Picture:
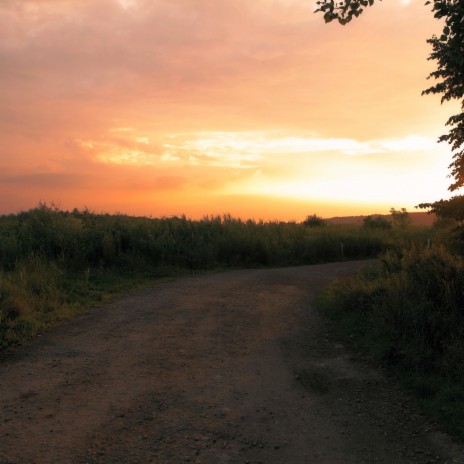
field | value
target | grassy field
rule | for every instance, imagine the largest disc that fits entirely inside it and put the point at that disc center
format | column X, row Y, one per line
column 54, row 263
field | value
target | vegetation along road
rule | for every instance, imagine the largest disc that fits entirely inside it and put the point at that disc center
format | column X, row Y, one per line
column 227, row 368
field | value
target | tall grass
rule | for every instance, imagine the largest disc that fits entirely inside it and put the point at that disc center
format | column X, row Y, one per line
column 30, row 299
column 409, row 315
column 80, row 239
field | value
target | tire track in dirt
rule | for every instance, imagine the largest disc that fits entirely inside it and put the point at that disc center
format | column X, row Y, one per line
column 228, row 368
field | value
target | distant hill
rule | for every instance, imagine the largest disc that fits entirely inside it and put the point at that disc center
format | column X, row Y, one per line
column 417, row 219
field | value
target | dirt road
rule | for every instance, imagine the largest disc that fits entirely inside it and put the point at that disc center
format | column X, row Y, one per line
column 227, row 368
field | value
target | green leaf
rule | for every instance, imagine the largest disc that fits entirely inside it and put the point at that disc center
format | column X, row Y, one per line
column 328, row 17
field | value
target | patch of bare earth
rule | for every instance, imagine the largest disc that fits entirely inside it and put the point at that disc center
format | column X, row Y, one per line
column 229, row 368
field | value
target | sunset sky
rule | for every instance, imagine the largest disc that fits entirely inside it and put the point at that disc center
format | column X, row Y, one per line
column 253, row 108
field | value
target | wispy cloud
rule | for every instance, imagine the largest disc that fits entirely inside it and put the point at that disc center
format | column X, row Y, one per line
column 241, row 149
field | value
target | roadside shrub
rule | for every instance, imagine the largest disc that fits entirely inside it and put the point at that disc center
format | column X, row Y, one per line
column 408, row 314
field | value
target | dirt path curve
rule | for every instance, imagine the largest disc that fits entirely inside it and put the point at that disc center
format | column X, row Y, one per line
column 228, row 368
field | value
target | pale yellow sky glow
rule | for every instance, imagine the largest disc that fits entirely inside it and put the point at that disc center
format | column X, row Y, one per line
column 257, row 109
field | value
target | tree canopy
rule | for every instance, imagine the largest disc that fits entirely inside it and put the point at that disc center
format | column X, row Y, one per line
column 400, row 217
column 447, row 51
